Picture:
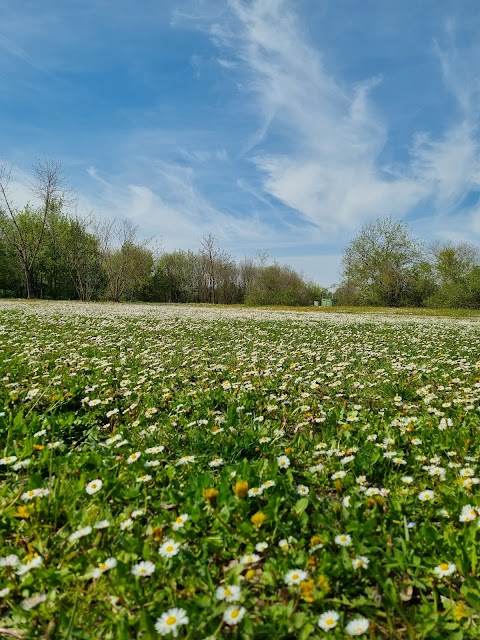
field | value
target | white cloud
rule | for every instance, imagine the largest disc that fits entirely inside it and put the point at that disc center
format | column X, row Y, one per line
column 171, row 207
column 329, row 169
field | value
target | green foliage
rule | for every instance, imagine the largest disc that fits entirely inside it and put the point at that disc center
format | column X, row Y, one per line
column 378, row 262
column 280, row 285
column 385, row 266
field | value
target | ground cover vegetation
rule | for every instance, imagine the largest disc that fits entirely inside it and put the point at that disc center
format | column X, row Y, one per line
column 218, row 473
column 50, row 251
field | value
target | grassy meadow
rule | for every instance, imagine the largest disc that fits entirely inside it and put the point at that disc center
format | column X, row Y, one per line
column 210, row 473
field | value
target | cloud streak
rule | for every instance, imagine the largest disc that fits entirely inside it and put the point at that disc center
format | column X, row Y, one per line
column 330, row 169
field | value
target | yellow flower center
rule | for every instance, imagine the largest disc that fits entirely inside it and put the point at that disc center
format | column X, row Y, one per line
column 228, row 592
column 179, row 520
column 295, row 576
column 444, row 566
column 102, row 566
column 329, row 621
column 170, row 620
column 169, row 549
column 235, row 613
column 93, row 486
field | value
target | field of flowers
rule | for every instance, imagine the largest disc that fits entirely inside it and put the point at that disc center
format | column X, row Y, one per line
column 201, row 473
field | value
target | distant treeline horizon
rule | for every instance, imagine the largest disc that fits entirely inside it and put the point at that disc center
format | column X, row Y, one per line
column 49, row 253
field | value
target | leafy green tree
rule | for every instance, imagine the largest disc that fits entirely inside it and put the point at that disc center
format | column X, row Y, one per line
column 472, row 285
column 127, row 265
column 377, row 262
column 278, row 285
column 421, row 284
column 453, row 265
column 10, row 271
column 452, row 262
column 24, row 229
column 177, row 277
column 53, row 279
column 82, row 258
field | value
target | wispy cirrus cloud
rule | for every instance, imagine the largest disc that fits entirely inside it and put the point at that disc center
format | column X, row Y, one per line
column 330, row 167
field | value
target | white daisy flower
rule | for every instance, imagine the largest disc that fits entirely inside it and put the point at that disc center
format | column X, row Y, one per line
column 152, row 463
column 79, row 533
column 143, row 569
column 169, row 548
column 468, row 514
column 249, row 558
column 229, row 593
column 33, row 601
column 328, row 620
column 445, row 569
column 283, row 462
column 93, row 486
column 268, row 484
column 426, row 496
column 170, row 621
column 360, row 562
column 302, row 490
column 32, row 563
column 108, row 564
column 11, row 560
column 343, row 540
column 155, row 450
column 22, row 464
column 295, row 576
column 134, row 457
column 34, row 493
column 146, row 477
column 357, row 627
column 233, row 615
column 180, row 521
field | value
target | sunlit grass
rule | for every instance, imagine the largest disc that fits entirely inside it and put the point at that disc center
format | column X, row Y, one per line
column 209, row 472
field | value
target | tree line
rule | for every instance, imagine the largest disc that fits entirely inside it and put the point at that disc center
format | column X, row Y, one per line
column 48, row 252
column 385, row 265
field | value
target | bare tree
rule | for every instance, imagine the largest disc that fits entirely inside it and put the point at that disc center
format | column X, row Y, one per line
column 214, row 261
column 20, row 229
column 82, row 256
column 126, row 263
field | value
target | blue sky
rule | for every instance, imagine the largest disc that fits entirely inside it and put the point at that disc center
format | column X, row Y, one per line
column 278, row 126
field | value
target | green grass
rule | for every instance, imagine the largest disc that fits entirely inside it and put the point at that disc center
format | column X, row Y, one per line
column 352, row 409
